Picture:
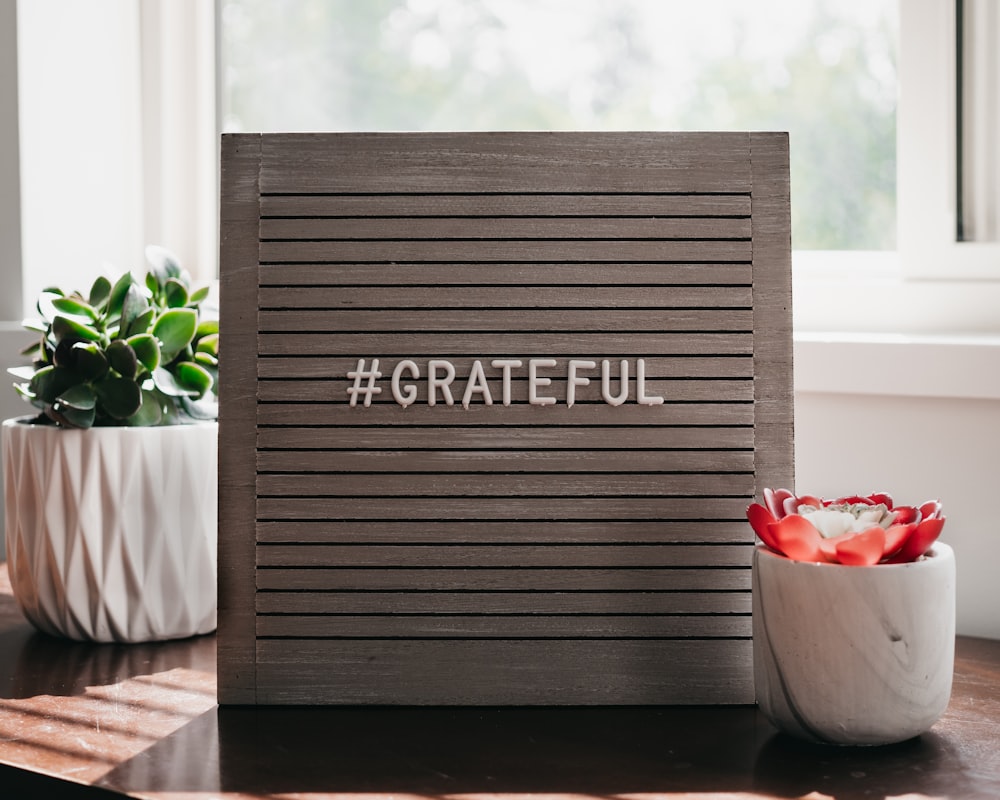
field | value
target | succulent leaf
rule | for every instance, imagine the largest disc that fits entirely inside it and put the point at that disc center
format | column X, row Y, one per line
column 205, row 408
column 50, row 382
column 80, row 397
column 141, row 323
column 99, row 292
column 170, row 386
column 69, row 417
column 68, row 328
column 133, row 304
column 117, row 297
column 120, row 397
column 175, row 329
column 207, row 327
column 146, row 349
column 176, row 293
column 123, row 359
column 75, row 308
column 198, row 296
column 149, row 413
column 193, row 377
column 208, row 344
column 87, row 360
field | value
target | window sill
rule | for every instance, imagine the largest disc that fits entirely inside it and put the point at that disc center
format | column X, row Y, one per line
column 917, row 365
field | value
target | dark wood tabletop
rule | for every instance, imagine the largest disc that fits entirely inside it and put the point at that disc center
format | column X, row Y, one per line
column 104, row 721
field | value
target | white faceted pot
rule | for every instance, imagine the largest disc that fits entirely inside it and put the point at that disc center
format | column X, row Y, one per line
column 854, row 655
column 111, row 532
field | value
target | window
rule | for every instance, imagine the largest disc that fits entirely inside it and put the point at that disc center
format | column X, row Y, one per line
column 824, row 71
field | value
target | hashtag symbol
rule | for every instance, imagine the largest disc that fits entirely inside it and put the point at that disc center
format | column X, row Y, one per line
column 360, row 387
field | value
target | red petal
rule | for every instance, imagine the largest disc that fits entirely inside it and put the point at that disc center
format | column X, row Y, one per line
column 862, row 549
column 774, row 499
column 920, row 541
column 797, row 538
column 881, row 497
column 809, row 500
column 828, row 547
column 896, row 536
column 854, row 499
column 930, row 509
column 905, row 515
column 760, row 518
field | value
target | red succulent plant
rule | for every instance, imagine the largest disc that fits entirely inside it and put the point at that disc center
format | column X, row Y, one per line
column 856, row 531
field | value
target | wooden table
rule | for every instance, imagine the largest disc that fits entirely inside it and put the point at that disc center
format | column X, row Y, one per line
column 104, row 721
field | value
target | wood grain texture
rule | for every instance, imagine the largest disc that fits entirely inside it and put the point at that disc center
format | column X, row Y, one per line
column 774, row 428
column 398, row 273
column 239, row 222
column 588, row 163
column 506, row 532
column 477, row 672
column 494, row 205
column 502, row 603
column 511, row 553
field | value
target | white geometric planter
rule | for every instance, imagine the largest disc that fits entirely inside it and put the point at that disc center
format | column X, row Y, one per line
column 854, row 655
column 111, row 532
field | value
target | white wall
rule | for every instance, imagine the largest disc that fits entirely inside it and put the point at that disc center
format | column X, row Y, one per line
column 915, row 448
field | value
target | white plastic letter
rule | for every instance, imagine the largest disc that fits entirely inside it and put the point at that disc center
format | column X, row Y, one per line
column 505, row 364
column 622, row 396
column 444, row 384
column 408, row 394
column 477, row 383
column 573, row 380
column 640, row 386
column 534, row 381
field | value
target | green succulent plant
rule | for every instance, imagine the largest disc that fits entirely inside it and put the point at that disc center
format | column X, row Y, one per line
column 124, row 354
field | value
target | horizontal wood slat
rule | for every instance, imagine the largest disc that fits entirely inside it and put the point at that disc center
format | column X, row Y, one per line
column 735, row 390
column 493, row 672
column 507, row 250
column 296, row 366
column 500, row 321
column 510, row 555
column 505, row 205
column 305, row 461
column 706, row 484
column 428, row 579
column 602, row 345
column 493, row 627
column 500, row 274
column 506, row 438
column 513, row 297
column 545, row 509
column 340, row 413
column 454, row 531
column 503, row 162
column 503, row 228
column 521, row 603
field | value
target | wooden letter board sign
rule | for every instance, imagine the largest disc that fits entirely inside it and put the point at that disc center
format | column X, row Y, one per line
column 493, row 407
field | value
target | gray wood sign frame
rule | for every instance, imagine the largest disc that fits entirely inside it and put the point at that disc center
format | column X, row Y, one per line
column 527, row 553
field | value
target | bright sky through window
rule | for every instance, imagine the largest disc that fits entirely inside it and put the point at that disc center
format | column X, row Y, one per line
column 824, row 70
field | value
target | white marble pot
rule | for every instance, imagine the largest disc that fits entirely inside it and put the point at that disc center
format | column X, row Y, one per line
column 854, row 655
column 111, row 532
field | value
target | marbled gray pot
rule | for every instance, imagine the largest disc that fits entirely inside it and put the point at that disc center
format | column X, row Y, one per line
column 854, row 655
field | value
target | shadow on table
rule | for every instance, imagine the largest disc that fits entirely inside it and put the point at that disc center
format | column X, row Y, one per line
column 587, row 751
column 33, row 663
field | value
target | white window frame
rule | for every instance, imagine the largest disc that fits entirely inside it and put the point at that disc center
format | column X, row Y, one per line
column 933, row 285
column 927, row 151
